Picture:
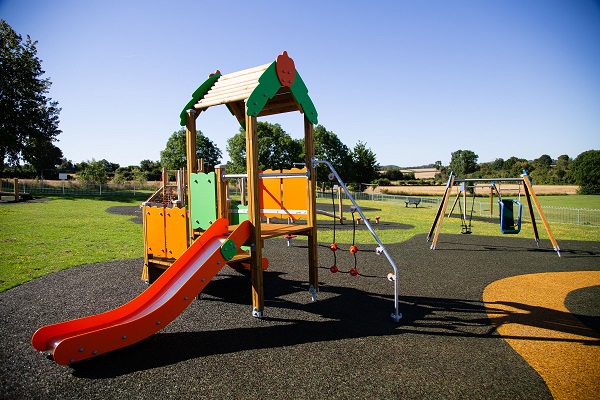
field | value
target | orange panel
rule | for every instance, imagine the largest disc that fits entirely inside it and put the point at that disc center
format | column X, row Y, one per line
column 155, row 231
column 270, row 195
column 295, row 199
column 176, row 226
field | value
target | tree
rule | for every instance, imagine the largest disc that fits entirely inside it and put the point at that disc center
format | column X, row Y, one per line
column 151, row 169
column 586, row 171
column 66, row 165
column 463, row 162
column 365, row 168
column 276, row 149
column 545, row 161
column 563, row 162
column 138, row 176
column 329, row 147
column 93, row 172
column 173, row 157
column 43, row 156
column 29, row 119
column 497, row 164
column 394, row 174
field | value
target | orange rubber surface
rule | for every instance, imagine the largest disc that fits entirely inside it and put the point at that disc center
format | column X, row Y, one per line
column 155, row 308
column 530, row 314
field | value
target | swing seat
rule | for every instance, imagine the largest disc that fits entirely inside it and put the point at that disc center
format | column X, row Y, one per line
column 508, row 225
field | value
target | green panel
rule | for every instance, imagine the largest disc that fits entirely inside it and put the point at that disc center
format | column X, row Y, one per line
column 268, row 85
column 228, row 249
column 197, row 95
column 300, row 93
column 238, row 213
column 203, row 205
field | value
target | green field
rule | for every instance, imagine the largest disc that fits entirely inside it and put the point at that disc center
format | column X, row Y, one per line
column 38, row 238
column 572, row 201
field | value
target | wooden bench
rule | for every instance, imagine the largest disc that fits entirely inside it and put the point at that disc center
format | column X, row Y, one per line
column 413, row 200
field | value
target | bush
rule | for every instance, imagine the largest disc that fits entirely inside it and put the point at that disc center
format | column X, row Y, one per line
column 589, row 188
column 382, row 182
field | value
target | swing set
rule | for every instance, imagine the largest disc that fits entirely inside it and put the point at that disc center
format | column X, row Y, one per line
column 511, row 210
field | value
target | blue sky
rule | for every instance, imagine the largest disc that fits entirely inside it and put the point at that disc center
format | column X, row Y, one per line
column 415, row 80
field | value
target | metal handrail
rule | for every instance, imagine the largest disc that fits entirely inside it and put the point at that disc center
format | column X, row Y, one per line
column 396, row 314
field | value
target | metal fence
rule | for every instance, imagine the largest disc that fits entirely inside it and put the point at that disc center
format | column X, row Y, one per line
column 563, row 215
column 41, row 188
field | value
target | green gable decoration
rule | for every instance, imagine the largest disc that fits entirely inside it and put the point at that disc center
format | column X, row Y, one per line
column 198, row 94
column 267, row 87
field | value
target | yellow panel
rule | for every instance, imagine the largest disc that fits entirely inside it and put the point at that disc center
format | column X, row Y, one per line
column 295, row 195
column 270, row 195
column 176, row 226
column 155, row 231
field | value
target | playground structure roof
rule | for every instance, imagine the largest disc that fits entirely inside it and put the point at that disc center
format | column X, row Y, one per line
column 268, row 89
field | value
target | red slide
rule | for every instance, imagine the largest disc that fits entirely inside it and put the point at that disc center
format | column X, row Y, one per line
column 152, row 310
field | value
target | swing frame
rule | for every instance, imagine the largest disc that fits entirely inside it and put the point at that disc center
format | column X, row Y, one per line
column 532, row 200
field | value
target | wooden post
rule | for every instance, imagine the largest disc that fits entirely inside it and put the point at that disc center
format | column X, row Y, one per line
column 454, row 204
column 541, row 213
column 440, row 214
column 165, row 182
column 256, row 271
column 536, row 235
column 313, row 256
column 222, row 206
column 243, row 191
column 190, row 152
column 16, row 189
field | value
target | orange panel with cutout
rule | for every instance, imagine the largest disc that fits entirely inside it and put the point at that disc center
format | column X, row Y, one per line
column 155, row 231
column 176, row 231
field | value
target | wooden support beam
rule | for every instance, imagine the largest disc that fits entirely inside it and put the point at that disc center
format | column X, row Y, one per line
column 190, row 153
column 313, row 254
column 529, row 188
column 437, row 222
column 278, row 110
column 16, row 188
column 256, row 271
column 536, row 234
column 238, row 109
column 222, row 206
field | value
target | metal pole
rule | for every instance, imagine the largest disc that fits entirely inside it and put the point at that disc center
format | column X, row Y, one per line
column 396, row 315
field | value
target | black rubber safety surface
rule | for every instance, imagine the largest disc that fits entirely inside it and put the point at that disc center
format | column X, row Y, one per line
column 345, row 345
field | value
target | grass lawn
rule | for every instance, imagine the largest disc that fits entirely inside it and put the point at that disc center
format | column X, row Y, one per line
column 572, row 201
column 38, row 238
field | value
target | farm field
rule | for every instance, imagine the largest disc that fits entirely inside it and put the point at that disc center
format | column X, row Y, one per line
column 439, row 190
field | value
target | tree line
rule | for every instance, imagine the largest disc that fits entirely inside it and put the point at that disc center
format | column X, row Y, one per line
column 583, row 171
